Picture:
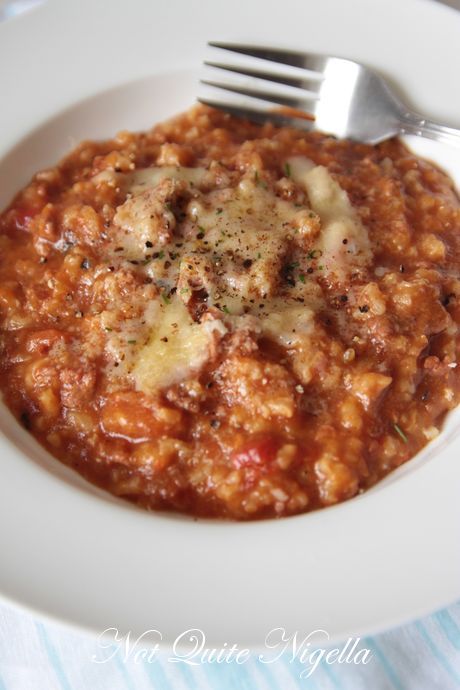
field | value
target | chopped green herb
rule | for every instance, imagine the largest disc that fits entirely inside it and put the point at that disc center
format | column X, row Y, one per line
column 132, row 342
column 219, row 211
column 165, row 298
column 301, row 277
column 258, row 181
column 259, row 255
column 161, row 254
column 287, row 169
column 321, row 268
column 201, row 228
column 290, row 267
column 183, row 290
column 314, row 254
column 225, row 309
column 400, row 433
column 109, row 330
column 168, row 206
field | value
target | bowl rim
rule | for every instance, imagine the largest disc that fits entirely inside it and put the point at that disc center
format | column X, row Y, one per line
column 38, row 536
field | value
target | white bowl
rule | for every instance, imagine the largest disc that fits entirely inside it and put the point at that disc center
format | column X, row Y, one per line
column 70, row 71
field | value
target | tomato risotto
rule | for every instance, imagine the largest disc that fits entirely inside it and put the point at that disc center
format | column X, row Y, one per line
column 230, row 319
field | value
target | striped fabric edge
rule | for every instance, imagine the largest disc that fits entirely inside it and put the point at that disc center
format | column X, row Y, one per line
column 436, row 639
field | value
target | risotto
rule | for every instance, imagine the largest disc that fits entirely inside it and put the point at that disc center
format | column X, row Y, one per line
column 229, row 319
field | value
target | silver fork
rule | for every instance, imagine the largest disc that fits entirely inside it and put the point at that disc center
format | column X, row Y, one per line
column 341, row 97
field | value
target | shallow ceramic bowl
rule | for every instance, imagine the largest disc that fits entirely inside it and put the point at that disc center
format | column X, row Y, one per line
column 70, row 71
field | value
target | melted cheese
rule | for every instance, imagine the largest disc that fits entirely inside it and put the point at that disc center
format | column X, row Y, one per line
column 248, row 227
column 238, row 245
column 177, row 348
column 144, row 178
column 290, row 326
column 344, row 242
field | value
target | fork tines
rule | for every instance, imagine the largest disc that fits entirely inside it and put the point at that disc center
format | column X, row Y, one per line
column 248, row 80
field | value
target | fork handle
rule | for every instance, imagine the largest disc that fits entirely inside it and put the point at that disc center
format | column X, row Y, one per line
column 411, row 123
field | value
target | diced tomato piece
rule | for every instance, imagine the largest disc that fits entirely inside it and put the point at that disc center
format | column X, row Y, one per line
column 258, row 453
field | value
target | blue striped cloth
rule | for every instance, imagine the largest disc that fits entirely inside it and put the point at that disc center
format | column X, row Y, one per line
column 38, row 656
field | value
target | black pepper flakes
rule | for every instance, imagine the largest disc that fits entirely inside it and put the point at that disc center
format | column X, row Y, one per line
column 448, row 298
column 25, row 419
column 364, row 309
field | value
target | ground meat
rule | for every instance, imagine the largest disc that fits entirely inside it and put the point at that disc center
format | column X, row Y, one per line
column 263, row 388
